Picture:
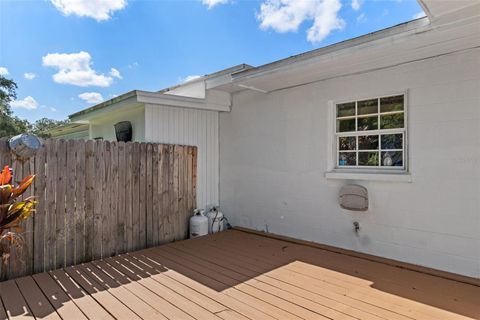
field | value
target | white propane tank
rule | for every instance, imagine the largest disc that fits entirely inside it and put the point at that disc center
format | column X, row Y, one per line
column 198, row 224
column 215, row 220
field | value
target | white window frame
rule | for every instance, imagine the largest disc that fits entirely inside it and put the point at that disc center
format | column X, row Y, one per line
column 334, row 137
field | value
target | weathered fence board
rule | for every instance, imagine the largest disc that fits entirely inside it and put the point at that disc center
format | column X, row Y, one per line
column 99, row 198
column 39, row 217
column 80, row 191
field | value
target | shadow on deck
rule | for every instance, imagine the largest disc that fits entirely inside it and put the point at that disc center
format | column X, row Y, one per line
column 237, row 275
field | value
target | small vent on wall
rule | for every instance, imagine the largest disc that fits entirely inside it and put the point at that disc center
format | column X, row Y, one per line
column 353, row 197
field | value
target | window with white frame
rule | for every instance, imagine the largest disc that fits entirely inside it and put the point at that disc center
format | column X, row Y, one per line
column 371, row 133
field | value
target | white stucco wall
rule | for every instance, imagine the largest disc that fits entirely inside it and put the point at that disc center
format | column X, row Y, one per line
column 164, row 124
column 273, row 156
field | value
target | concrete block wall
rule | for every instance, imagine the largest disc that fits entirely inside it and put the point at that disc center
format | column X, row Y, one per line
column 273, row 159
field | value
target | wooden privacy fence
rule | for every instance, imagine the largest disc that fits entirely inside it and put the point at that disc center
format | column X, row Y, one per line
column 99, row 198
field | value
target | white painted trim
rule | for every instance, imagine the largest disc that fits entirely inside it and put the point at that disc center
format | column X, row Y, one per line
column 179, row 101
column 425, row 9
column 243, row 86
column 332, row 151
column 390, row 176
column 331, row 138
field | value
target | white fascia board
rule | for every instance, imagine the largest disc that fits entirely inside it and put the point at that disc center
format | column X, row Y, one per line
column 182, row 102
column 425, row 9
column 193, row 89
column 436, row 9
column 85, row 116
column 85, row 121
column 218, row 81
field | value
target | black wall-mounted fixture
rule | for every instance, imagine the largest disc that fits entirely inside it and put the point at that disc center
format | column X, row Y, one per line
column 123, row 131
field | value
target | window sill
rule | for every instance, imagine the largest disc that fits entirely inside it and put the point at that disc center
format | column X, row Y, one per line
column 388, row 177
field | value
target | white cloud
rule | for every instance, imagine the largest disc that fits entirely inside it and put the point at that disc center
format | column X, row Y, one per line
column 115, row 73
column 28, row 103
column 212, row 3
column 99, row 10
column 288, row 15
column 29, row 75
column 189, row 78
column 3, row 71
column 356, row 4
column 52, row 109
column 75, row 69
column 91, row 97
column 133, row 65
column 419, row 15
column 361, row 18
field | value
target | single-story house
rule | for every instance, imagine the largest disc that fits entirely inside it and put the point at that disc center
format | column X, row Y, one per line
column 396, row 111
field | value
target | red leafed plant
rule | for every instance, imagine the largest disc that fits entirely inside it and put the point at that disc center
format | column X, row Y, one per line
column 13, row 211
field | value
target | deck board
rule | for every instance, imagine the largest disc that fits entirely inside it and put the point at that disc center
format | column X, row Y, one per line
column 15, row 305
column 105, row 298
column 90, row 307
column 65, row 306
column 3, row 313
column 138, row 306
column 38, row 303
column 237, row 275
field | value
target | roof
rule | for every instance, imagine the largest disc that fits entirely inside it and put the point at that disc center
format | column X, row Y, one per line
column 372, row 36
column 135, row 93
column 434, row 10
column 68, row 128
column 227, row 71
column 238, row 75
column 105, row 104
column 138, row 97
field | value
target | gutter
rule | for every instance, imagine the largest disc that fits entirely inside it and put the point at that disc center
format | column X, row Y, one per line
column 155, row 98
column 104, row 104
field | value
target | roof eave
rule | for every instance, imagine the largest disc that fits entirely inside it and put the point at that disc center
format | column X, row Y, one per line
column 221, row 73
column 347, row 44
column 145, row 97
column 103, row 105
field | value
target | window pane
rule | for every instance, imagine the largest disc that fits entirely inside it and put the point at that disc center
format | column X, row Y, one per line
column 347, row 143
column 368, row 106
column 389, row 104
column 368, row 123
column 368, row 158
column 368, row 142
column 346, row 125
column 346, row 109
column 392, row 158
column 392, row 141
column 347, row 159
column 391, row 121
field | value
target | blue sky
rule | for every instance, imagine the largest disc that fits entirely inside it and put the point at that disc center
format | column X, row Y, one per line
column 68, row 47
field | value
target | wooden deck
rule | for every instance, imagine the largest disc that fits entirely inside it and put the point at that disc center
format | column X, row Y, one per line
column 237, row 275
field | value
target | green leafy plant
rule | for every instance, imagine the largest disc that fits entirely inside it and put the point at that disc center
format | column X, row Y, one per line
column 13, row 211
